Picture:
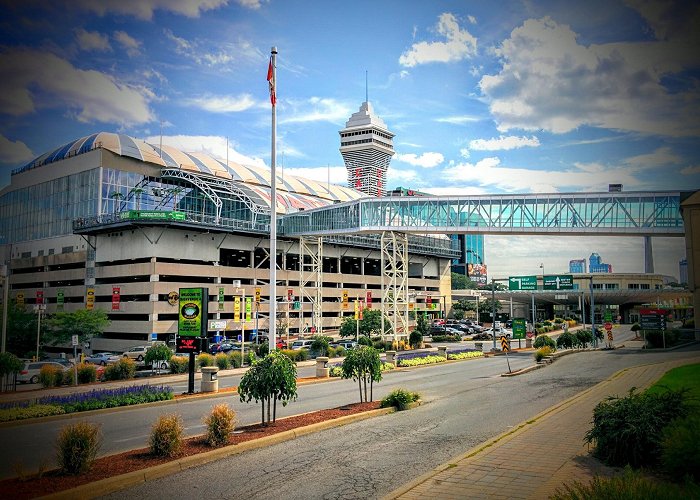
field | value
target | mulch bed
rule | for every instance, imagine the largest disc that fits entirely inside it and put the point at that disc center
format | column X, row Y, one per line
column 32, row 486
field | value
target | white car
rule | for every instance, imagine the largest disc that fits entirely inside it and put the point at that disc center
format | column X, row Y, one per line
column 301, row 344
column 29, row 374
column 137, row 353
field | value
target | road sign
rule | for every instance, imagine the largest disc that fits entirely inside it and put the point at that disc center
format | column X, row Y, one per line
column 608, row 315
column 505, row 343
column 74, row 340
column 608, row 326
column 522, row 283
column 558, row 282
column 652, row 321
column 519, row 328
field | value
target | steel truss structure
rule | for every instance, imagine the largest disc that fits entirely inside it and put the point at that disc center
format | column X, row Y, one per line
column 394, row 262
column 311, row 278
column 619, row 214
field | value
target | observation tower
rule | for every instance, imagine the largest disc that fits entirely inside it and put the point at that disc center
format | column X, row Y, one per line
column 367, row 147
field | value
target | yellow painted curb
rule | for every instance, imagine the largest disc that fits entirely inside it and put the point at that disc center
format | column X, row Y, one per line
column 117, row 483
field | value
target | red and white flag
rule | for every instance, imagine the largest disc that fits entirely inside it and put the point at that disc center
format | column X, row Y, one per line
column 271, row 81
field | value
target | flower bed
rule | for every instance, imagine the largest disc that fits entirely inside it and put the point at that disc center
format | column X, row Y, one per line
column 419, row 361
column 337, row 370
column 84, row 401
column 466, row 354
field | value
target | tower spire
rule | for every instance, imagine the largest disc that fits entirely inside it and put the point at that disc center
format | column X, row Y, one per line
column 366, row 88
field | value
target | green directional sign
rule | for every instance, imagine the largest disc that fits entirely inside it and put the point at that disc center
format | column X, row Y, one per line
column 519, row 328
column 522, row 283
column 558, row 282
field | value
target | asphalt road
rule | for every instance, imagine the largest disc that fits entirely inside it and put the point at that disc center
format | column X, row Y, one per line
column 465, row 404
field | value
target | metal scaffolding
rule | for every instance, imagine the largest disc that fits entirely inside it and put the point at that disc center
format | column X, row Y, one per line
column 311, row 278
column 394, row 252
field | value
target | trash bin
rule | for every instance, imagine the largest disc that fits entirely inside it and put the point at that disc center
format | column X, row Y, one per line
column 322, row 370
column 210, row 380
column 442, row 351
column 479, row 346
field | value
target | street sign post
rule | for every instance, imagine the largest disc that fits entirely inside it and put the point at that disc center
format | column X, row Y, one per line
column 519, row 328
column 558, row 282
column 522, row 283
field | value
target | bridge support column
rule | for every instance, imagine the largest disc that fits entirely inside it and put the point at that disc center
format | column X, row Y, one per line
column 311, row 279
column 690, row 209
column 648, row 256
column 394, row 251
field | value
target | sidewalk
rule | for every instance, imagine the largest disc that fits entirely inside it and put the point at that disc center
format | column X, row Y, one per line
column 538, row 456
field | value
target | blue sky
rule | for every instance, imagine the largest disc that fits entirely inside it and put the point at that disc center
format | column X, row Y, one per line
column 519, row 96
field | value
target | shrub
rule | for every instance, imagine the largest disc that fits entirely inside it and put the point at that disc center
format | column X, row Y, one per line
column 680, row 448
column 179, row 364
column 364, row 340
column 205, row 359
column 123, row 369
column 542, row 352
column 167, row 436
column 302, row 355
column 50, row 375
column 220, row 424
column 628, row 430
column 558, row 321
column 635, row 327
column 68, row 376
column 655, row 338
column 400, row 399
column 9, row 363
column 567, row 340
column 631, row 485
column 422, row 360
column 335, row 352
column 158, row 352
column 320, row 345
column 584, row 337
column 415, row 339
column 86, row 373
column 544, row 340
column 262, row 350
column 109, row 398
column 77, row 447
column 235, row 358
column 222, row 361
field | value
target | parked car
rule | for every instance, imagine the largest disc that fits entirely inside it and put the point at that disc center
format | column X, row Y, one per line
column 437, row 330
column 301, row 344
column 67, row 363
column 452, row 331
column 137, row 353
column 103, row 358
column 280, row 344
column 345, row 344
column 29, row 374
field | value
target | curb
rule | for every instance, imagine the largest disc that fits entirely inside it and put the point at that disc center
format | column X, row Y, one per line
column 519, row 428
column 117, row 483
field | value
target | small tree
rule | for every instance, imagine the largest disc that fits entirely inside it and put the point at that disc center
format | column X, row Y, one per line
column 363, row 364
column 9, row 365
column 320, row 345
column 157, row 353
column 84, row 323
column 269, row 380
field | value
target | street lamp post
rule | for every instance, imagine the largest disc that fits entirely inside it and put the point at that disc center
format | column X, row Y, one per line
column 5, row 305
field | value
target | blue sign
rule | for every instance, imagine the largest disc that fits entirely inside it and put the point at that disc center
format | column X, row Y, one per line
column 154, row 337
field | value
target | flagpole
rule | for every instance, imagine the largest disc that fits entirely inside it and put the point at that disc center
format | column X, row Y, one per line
column 272, row 337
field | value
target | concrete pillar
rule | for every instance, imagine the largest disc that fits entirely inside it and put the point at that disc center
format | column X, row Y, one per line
column 442, row 351
column 690, row 209
column 210, row 380
column 648, row 256
column 322, row 370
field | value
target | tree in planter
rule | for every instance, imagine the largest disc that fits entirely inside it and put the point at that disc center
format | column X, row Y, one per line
column 157, row 354
column 416, row 336
column 320, row 345
column 9, row 365
column 363, row 364
column 270, row 380
column 370, row 324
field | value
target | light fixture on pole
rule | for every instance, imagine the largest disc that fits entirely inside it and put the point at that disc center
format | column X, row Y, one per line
column 542, row 267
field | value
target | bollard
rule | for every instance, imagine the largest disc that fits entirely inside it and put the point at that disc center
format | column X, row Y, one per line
column 322, row 370
column 442, row 351
column 210, row 380
column 391, row 357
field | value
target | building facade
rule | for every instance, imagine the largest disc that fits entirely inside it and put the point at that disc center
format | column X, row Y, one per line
column 114, row 223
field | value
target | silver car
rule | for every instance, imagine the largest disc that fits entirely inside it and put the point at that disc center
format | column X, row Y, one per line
column 29, row 374
column 137, row 353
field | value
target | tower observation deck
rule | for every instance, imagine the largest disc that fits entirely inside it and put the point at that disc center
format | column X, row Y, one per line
column 367, row 147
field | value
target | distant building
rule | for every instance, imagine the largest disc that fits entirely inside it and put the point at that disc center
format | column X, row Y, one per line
column 683, row 271
column 596, row 266
column 577, row 266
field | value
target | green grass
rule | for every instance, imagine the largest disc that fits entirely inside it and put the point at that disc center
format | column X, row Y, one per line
column 687, row 377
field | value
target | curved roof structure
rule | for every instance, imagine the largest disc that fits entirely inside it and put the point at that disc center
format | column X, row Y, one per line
column 293, row 192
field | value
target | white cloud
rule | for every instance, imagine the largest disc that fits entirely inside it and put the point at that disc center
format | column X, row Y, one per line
column 472, row 19
column 92, row 40
column 425, row 160
column 251, row 4
column 130, row 44
column 661, row 157
column 402, row 177
column 464, row 152
column 210, row 144
column 489, row 174
column 454, row 190
column 458, row 120
column 316, row 109
column 503, row 143
column 691, row 170
column 144, row 9
column 549, row 81
column 222, row 104
column 14, row 152
column 214, row 53
column 30, row 80
column 459, row 45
